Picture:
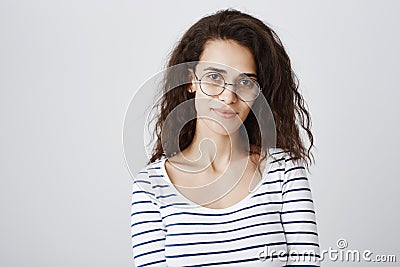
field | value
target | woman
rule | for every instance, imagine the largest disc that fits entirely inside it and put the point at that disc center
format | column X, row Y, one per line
column 226, row 184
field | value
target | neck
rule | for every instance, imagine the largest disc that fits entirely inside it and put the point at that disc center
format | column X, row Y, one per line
column 215, row 150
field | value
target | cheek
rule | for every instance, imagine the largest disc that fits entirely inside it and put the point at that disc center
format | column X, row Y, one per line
column 245, row 112
column 202, row 105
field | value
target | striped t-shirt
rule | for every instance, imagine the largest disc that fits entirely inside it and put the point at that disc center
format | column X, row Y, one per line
column 273, row 226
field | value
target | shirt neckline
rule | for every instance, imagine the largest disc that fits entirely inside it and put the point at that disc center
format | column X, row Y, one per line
column 194, row 205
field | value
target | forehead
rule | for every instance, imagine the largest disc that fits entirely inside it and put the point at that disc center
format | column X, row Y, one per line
column 228, row 55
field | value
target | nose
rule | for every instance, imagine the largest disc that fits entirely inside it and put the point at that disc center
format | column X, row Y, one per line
column 228, row 95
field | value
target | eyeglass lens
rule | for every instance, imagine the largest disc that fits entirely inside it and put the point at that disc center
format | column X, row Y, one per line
column 214, row 84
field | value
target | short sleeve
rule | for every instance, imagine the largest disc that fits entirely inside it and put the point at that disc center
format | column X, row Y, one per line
column 147, row 228
column 298, row 216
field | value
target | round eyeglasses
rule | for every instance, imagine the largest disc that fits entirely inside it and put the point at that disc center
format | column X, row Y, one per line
column 213, row 84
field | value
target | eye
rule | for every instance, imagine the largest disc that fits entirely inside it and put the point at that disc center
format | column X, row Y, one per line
column 214, row 77
column 245, row 83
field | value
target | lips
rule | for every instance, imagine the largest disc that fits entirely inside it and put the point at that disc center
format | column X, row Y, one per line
column 224, row 113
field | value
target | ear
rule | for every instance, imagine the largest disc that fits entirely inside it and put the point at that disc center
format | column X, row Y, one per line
column 192, row 86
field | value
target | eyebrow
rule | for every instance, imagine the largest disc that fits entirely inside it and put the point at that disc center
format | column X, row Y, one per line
column 252, row 75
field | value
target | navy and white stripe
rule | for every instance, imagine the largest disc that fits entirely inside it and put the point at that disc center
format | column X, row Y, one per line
column 170, row 230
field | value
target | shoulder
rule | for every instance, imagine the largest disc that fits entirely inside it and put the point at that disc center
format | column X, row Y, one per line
column 282, row 155
column 144, row 179
column 150, row 169
column 286, row 163
column 279, row 155
column 294, row 176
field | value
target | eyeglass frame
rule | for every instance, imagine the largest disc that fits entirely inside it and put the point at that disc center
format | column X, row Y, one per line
column 224, row 86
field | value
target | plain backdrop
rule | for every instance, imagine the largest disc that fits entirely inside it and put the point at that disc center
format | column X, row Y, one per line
column 69, row 69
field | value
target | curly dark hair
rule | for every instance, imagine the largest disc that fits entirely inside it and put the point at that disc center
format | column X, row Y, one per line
column 275, row 75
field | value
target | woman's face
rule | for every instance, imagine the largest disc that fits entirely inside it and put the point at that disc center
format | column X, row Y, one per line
column 224, row 113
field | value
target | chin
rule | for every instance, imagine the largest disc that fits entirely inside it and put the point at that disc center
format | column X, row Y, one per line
column 223, row 128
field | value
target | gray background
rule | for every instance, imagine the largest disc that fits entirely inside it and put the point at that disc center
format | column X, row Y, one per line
column 68, row 70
